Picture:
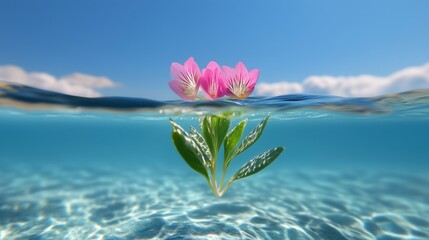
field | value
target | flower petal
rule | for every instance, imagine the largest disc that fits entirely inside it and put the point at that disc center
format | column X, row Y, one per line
column 177, row 70
column 219, row 82
column 241, row 70
column 213, row 65
column 205, row 81
column 192, row 67
column 212, row 82
column 177, row 88
column 228, row 75
column 253, row 77
column 228, row 80
column 249, row 91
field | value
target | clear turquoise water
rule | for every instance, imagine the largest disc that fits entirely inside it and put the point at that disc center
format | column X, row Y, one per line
column 74, row 168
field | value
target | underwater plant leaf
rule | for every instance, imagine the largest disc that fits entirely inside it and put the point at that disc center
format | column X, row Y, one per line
column 196, row 137
column 201, row 143
column 250, row 139
column 258, row 163
column 232, row 139
column 177, row 127
column 206, row 132
column 220, row 126
column 200, row 123
column 189, row 152
column 214, row 130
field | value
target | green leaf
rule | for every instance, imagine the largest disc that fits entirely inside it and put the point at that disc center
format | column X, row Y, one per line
column 205, row 158
column 202, row 145
column 189, row 152
column 251, row 138
column 232, row 139
column 258, row 163
column 214, row 130
column 206, row 131
column 220, row 126
column 177, row 127
column 200, row 122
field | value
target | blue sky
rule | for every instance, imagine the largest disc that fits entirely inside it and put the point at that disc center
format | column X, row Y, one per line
column 133, row 43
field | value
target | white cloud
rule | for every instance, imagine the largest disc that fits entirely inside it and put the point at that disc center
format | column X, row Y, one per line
column 279, row 88
column 353, row 86
column 77, row 84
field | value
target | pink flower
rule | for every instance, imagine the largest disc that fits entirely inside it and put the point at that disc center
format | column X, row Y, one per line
column 185, row 81
column 212, row 81
column 239, row 83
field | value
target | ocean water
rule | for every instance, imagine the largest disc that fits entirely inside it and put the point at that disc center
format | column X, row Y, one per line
column 106, row 168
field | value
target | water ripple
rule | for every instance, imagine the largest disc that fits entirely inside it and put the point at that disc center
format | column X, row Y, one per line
column 412, row 103
column 92, row 203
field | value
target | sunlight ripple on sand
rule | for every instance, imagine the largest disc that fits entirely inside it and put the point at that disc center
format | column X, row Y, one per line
column 60, row 203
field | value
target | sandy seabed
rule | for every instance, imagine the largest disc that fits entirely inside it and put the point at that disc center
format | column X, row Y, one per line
column 51, row 202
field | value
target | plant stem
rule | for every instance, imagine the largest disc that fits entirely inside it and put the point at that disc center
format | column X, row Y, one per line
column 226, row 187
column 215, row 192
column 223, row 175
column 213, row 170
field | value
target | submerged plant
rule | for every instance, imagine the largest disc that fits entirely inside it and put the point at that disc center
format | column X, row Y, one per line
column 200, row 150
